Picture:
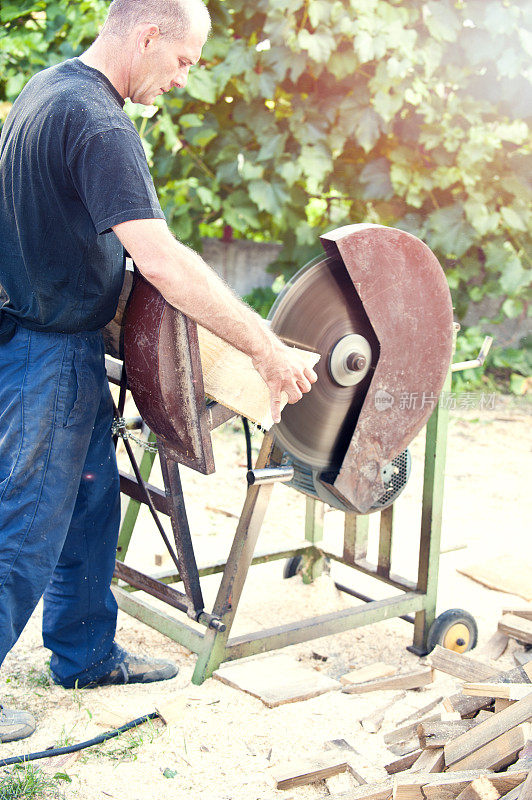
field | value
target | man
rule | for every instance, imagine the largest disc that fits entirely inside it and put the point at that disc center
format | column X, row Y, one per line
column 74, row 190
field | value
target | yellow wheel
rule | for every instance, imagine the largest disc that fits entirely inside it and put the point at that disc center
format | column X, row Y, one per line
column 455, row 629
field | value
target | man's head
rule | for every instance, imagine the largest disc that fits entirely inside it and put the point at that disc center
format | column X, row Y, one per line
column 162, row 40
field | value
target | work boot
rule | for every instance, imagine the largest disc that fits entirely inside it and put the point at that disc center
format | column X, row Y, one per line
column 137, row 669
column 15, row 724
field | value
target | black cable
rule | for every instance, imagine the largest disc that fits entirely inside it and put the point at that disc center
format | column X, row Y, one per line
column 248, row 443
column 73, row 748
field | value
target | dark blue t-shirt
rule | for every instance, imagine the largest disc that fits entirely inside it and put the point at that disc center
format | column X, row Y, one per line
column 72, row 165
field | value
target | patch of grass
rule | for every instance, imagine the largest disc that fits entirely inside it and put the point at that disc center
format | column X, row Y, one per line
column 25, row 782
column 39, row 678
column 126, row 746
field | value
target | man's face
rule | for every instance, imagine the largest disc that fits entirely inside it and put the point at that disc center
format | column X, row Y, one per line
column 162, row 64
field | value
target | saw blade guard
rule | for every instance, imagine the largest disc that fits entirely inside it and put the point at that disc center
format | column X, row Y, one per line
column 377, row 308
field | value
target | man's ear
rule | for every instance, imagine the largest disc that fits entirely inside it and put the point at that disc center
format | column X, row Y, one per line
column 146, row 36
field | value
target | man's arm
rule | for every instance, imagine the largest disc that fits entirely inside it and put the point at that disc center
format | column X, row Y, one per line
column 187, row 283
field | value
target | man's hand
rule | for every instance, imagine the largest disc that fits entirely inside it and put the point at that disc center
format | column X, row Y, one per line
column 284, row 371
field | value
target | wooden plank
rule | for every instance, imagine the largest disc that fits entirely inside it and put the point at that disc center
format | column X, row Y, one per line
column 300, row 773
column 460, row 666
column 526, row 789
column 513, row 794
column 497, row 753
column 470, row 705
column 372, row 722
column 505, row 573
column 500, row 705
column 477, row 737
column 525, row 613
column 438, row 733
column 447, row 786
column 405, row 739
column 480, row 789
column 369, row 673
column 516, row 627
column 411, row 680
column 402, row 764
column 421, row 712
column 505, row 691
column 430, row 761
column 230, row 378
column 495, row 646
column 275, row 680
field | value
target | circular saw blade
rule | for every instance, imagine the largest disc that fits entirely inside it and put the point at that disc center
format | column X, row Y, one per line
column 315, row 310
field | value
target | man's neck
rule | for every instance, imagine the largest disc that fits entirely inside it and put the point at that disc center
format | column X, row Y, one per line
column 109, row 64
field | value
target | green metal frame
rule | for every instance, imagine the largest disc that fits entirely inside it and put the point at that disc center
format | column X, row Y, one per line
column 215, row 647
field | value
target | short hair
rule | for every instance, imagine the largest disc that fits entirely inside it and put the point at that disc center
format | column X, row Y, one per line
column 173, row 17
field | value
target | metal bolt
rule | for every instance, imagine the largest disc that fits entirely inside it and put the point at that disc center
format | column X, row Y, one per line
column 355, row 362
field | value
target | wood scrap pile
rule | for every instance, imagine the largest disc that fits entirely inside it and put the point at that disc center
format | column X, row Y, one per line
column 477, row 746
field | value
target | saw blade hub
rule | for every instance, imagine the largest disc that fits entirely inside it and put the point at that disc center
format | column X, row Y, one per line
column 350, row 360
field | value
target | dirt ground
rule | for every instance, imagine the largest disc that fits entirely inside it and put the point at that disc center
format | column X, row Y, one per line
column 227, row 740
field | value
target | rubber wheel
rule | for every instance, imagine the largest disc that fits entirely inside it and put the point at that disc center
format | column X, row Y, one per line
column 455, row 629
column 292, row 566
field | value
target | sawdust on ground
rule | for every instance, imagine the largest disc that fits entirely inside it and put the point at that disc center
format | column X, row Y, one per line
column 227, row 740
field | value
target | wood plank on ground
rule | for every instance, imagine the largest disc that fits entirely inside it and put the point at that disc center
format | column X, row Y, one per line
column 505, row 573
column 460, row 665
column 517, row 627
column 470, row 705
column 300, row 773
column 504, row 691
column 429, row 761
column 410, row 680
column 374, row 791
column 438, row 733
column 275, row 680
column 526, row 613
column 480, row 789
column 477, row 737
column 402, row 764
column 372, row 722
column 369, row 673
column 497, row 753
column 447, row 786
column 405, row 739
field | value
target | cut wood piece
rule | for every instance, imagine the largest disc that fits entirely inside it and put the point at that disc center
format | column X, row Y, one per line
column 429, row 761
column 405, row 739
column 373, row 722
column 506, row 691
column 411, row 680
column 472, row 740
column 516, row 627
column 369, row 673
column 495, row 646
column 230, row 378
column 402, row 764
column 447, row 786
column 505, row 573
column 437, row 734
column 497, row 753
column 460, row 666
column 514, row 793
column 421, row 712
column 470, row 705
column 500, row 705
column 480, row 789
column 275, row 680
column 526, row 613
column 298, row 774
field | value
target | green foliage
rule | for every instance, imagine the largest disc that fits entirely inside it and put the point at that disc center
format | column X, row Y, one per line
column 308, row 114
column 25, row 782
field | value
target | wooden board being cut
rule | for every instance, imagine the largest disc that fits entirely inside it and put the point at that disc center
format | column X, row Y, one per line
column 276, row 680
column 506, row 573
column 230, row 378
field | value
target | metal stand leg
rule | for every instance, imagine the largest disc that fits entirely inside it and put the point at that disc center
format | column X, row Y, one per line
column 313, row 562
column 431, row 518
column 213, row 649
